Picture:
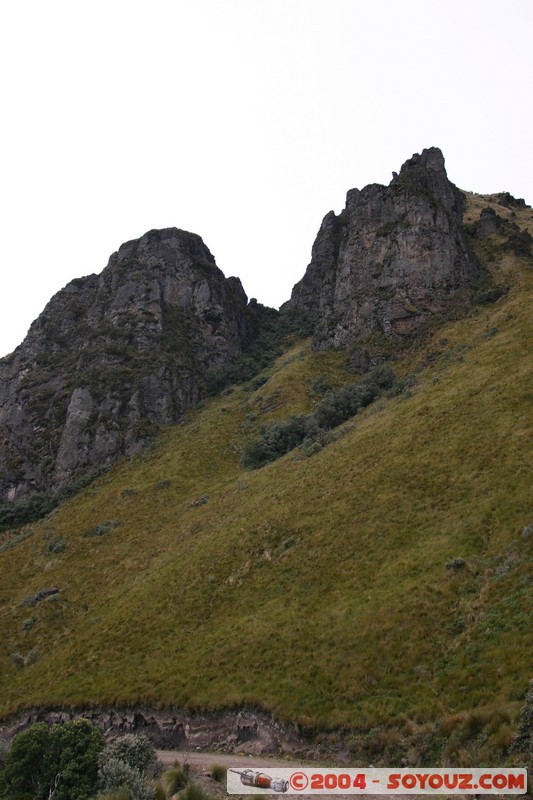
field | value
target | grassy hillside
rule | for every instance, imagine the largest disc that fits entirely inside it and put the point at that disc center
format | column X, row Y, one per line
column 387, row 579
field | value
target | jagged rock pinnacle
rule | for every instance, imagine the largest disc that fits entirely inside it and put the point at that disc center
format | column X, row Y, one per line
column 392, row 258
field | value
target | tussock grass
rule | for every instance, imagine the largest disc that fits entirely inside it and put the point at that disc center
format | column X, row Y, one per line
column 358, row 621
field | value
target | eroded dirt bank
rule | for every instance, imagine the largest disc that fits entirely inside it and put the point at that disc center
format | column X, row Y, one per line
column 239, row 731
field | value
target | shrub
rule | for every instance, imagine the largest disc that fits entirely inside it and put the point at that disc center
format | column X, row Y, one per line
column 257, row 453
column 63, row 758
column 312, row 429
column 136, row 750
column 276, row 440
column 338, row 406
column 116, row 775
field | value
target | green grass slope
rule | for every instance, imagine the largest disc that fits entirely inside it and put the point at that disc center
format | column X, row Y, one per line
column 324, row 589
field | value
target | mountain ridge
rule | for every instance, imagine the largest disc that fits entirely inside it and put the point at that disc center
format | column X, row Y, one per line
column 117, row 354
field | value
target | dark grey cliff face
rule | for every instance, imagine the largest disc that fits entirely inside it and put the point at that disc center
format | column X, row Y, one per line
column 114, row 354
column 396, row 255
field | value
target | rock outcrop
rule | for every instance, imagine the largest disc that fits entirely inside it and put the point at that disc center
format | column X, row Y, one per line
column 395, row 256
column 114, row 354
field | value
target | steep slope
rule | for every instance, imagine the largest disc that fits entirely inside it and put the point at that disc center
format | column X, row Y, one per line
column 394, row 258
column 383, row 584
column 114, row 354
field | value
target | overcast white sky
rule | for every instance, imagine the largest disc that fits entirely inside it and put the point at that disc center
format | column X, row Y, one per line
column 244, row 121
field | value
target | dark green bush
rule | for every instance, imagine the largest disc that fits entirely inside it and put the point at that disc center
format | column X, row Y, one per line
column 340, row 405
column 257, row 453
column 276, row 440
column 310, row 430
column 61, row 761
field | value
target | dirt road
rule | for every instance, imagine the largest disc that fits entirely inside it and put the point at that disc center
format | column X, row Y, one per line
column 200, row 760
column 200, row 764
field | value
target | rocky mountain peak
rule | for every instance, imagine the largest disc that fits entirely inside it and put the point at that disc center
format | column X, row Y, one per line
column 427, row 173
column 163, row 245
column 114, row 354
column 395, row 256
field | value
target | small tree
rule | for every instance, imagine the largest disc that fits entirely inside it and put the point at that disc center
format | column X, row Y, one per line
column 74, row 751
column 57, row 763
column 25, row 772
